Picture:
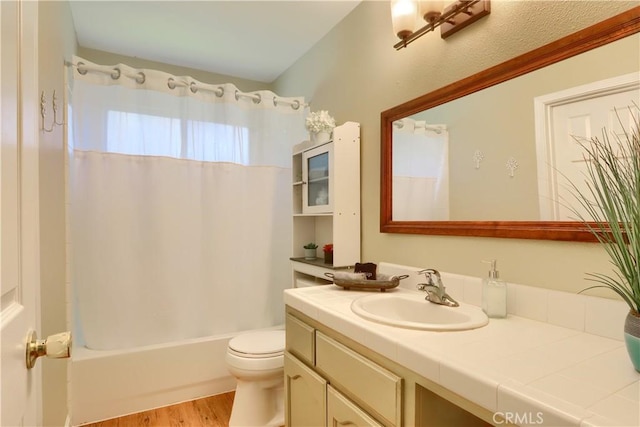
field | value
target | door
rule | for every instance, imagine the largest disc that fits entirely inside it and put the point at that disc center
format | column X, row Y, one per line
column 317, row 178
column 305, row 395
column 20, row 392
column 581, row 112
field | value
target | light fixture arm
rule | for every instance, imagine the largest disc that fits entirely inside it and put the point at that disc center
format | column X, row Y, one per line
column 467, row 12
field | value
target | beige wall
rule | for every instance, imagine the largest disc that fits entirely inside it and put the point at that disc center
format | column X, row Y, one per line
column 57, row 42
column 355, row 73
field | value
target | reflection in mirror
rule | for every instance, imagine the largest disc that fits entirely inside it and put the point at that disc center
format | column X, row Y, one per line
column 420, row 171
column 487, row 173
column 500, row 123
column 565, row 118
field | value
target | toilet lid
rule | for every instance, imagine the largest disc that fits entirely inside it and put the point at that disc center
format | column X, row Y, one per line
column 263, row 343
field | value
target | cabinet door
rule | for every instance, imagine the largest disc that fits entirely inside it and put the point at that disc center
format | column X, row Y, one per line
column 317, row 191
column 342, row 412
column 305, row 395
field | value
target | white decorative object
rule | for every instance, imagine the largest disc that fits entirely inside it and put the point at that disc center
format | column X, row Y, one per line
column 512, row 165
column 320, row 125
column 478, row 156
column 320, row 137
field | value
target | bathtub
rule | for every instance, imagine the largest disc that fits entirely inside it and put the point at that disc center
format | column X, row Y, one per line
column 108, row 384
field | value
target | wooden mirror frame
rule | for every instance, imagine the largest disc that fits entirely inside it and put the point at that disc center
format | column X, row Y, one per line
column 600, row 34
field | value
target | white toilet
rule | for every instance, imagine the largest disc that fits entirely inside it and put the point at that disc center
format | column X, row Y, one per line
column 256, row 360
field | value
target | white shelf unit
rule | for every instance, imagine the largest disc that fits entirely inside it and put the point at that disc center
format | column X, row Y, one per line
column 326, row 208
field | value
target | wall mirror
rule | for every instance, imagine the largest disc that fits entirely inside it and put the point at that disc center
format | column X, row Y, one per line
column 470, row 149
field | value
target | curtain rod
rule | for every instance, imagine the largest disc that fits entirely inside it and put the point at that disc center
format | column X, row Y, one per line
column 419, row 124
column 172, row 83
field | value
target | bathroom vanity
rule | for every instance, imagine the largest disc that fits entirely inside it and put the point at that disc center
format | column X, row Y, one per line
column 538, row 366
column 333, row 380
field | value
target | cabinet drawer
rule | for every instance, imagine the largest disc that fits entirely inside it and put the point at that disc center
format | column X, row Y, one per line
column 341, row 411
column 373, row 387
column 300, row 339
column 306, row 392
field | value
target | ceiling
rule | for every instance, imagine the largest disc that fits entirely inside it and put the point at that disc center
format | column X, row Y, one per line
column 256, row 40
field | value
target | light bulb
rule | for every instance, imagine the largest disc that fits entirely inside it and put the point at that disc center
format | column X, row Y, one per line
column 404, row 14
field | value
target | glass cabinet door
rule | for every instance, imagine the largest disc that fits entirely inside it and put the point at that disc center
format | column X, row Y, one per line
column 316, row 171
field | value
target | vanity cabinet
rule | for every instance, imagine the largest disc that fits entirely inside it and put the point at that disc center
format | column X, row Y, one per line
column 332, row 380
column 326, row 204
column 328, row 383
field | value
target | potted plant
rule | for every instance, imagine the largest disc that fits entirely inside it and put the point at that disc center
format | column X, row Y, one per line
column 320, row 125
column 612, row 200
column 310, row 250
column 328, row 253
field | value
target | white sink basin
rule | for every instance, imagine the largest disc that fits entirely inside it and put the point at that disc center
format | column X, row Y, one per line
column 410, row 310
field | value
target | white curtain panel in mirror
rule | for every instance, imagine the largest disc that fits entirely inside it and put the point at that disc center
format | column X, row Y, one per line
column 420, row 171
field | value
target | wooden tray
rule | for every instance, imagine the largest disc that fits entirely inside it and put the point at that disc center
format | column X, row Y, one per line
column 364, row 284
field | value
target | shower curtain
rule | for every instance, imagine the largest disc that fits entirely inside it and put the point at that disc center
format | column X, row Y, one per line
column 420, row 171
column 179, row 205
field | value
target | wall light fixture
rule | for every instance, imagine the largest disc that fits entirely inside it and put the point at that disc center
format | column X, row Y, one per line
column 406, row 16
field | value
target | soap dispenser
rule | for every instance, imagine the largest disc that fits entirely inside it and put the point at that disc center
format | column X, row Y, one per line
column 494, row 293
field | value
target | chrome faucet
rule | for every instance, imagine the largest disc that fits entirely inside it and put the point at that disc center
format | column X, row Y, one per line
column 435, row 290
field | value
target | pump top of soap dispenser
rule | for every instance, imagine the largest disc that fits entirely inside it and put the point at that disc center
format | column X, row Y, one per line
column 493, row 273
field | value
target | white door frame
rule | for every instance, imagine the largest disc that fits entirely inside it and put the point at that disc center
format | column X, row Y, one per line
column 543, row 106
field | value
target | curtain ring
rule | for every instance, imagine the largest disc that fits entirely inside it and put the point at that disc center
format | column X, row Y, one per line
column 237, row 97
column 257, row 101
column 192, row 87
column 295, row 105
column 220, row 92
column 141, row 78
column 116, row 74
column 171, row 83
column 79, row 70
column 275, row 102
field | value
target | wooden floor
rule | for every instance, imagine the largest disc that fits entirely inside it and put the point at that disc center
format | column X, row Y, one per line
column 213, row 411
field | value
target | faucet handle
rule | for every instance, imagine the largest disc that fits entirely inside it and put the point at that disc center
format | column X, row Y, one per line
column 429, row 273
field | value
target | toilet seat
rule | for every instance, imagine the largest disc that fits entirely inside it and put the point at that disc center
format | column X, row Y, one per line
column 258, row 345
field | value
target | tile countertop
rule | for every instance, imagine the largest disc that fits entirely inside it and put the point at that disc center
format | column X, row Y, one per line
column 540, row 372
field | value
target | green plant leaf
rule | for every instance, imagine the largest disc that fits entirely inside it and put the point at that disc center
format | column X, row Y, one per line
column 611, row 201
